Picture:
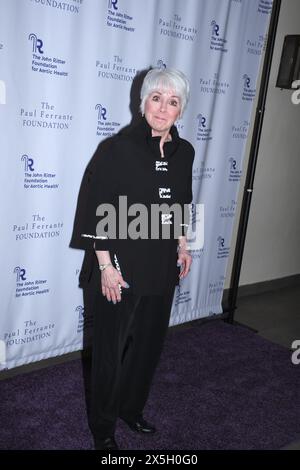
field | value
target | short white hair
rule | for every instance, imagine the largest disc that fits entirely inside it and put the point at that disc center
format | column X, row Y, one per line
column 166, row 79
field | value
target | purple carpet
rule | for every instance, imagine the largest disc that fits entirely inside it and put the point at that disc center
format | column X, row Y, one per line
column 217, row 386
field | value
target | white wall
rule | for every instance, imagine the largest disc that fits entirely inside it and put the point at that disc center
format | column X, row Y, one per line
column 272, row 248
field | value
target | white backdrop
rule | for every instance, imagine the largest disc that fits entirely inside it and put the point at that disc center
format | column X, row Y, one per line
column 66, row 70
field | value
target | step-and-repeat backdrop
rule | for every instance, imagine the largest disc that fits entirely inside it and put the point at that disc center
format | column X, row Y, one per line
column 66, row 73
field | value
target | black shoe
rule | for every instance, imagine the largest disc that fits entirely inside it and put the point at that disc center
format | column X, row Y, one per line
column 140, row 425
column 107, row 443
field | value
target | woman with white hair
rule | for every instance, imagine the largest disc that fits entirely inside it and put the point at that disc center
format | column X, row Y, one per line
column 134, row 256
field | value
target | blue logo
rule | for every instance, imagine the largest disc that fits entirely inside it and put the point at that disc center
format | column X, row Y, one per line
column 101, row 112
column 80, row 311
column 247, row 80
column 204, row 131
column 37, row 44
column 215, row 28
column 113, row 4
column 85, row 321
column 248, row 92
column 201, row 121
column 234, row 171
column 217, row 42
column 28, row 163
column 160, row 64
column 221, row 241
column 223, row 251
column 20, row 273
column 232, row 163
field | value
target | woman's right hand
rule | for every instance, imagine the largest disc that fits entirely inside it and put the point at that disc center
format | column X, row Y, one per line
column 111, row 281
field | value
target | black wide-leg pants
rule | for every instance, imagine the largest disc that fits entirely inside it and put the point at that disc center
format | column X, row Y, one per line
column 127, row 343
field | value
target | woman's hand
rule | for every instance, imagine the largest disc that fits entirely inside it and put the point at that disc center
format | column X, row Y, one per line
column 184, row 261
column 111, row 283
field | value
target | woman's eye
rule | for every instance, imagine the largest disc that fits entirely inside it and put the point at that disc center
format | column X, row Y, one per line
column 155, row 98
column 174, row 103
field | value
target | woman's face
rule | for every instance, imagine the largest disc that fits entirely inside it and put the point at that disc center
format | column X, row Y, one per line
column 162, row 108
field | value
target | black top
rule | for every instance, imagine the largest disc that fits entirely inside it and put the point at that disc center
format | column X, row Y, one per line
column 130, row 165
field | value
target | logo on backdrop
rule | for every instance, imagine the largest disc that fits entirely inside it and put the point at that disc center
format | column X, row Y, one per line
column 37, row 228
column 203, row 171
column 77, row 271
column 21, row 273
column 196, row 226
column 101, row 112
column 118, row 18
column 213, row 85
column 223, row 249
column 234, row 173
column 115, row 69
column 26, row 287
column 160, row 64
column 180, row 124
column 45, row 116
column 29, row 332
column 182, row 296
column 229, row 210
column 35, row 180
column 67, row 6
column 44, row 64
column 217, row 41
column 105, row 128
column 248, row 93
column 175, row 28
column 84, row 320
column 113, row 4
column 240, row 131
column 204, row 131
column 197, row 254
column 195, row 232
column 37, row 44
column 256, row 46
column 28, row 163
column 265, row 7
column 216, row 286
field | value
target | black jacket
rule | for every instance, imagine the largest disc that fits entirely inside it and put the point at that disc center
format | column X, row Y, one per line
column 131, row 165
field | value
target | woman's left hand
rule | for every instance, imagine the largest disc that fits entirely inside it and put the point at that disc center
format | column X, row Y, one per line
column 184, row 261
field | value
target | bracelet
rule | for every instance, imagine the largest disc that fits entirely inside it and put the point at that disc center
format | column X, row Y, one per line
column 104, row 266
